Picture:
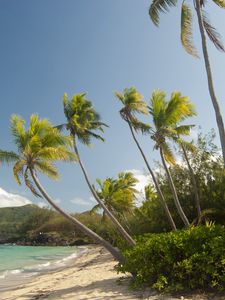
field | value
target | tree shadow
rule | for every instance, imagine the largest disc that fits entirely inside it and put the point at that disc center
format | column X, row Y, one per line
column 97, row 290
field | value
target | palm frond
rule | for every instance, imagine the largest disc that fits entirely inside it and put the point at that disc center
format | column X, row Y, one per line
column 178, row 108
column 190, row 147
column 18, row 170
column 48, row 169
column 96, row 136
column 132, row 101
column 56, row 153
column 95, row 209
column 60, row 127
column 140, row 126
column 212, row 33
column 168, row 154
column 120, row 96
column 186, row 30
column 220, row 3
column 18, row 131
column 30, row 185
column 8, row 156
column 183, row 129
column 159, row 6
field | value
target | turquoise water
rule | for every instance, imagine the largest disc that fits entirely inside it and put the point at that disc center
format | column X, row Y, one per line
column 18, row 263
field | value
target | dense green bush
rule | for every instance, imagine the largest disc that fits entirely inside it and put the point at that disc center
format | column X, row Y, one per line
column 186, row 259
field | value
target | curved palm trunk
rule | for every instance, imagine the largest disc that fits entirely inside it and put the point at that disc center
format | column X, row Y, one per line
column 85, row 230
column 174, row 192
column 161, row 197
column 194, row 183
column 215, row 103
column 119, row 227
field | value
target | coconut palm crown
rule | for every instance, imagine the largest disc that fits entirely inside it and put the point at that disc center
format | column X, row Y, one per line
column 159, row 6
column 118, row 194
column 82, row 119
column 37, row 149
column 166, row 117
column 133, row 104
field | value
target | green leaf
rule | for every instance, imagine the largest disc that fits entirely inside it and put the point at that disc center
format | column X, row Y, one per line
column 186, row 30
column 159, row 6
column 8, row 156
column 220, row 3
column 213, row 35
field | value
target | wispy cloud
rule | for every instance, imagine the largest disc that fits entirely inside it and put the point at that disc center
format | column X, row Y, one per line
column 12, row 200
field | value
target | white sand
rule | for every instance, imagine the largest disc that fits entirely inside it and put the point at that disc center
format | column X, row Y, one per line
column 92, row 276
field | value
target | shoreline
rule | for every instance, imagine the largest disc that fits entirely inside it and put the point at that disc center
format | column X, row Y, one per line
column 91, row 276
column 19, row 276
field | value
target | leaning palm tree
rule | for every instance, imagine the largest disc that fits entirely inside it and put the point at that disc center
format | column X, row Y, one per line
column 166, row 115
column 206, row 28
column 119, row 195
column 83, row 122
column 132, row 105
column 187, row 148
column 37, row 149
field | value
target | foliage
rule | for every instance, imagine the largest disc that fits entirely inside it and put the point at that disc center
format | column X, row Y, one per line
column 118, row 194
column 167, row 116
column 82, row 119
column 188, row 259
column 133, row 104
column 207, row 164
column 162, row 6
column 38, row 147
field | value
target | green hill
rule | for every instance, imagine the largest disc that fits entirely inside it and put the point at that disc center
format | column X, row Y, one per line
column 15, row 222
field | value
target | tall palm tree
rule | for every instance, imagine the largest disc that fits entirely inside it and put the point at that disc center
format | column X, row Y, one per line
column 166, row 115
column 132, row 105
column 119, row 195
column 83, row 122
column 205, row 28
column 37, row 149
column 189, row 147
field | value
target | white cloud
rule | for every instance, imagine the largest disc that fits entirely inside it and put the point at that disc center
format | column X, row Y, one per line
column 194, row 134
column 11, row 199
column 80, row 201
column 42, row 204
column 142, row 178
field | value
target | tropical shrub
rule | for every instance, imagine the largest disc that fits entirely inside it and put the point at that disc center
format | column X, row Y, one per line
column 186, row 259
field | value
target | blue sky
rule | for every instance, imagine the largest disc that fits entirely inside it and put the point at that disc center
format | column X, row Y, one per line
column 49, row 47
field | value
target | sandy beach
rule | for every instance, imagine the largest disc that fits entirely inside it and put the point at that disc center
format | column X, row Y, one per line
column 91, row 276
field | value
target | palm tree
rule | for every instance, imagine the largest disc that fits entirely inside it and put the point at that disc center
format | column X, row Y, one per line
column 83, row 122
column 118, row 195
column 189, row 147
column 132, row 105
column 205, row 28
column 37, row 148
column 166, row 115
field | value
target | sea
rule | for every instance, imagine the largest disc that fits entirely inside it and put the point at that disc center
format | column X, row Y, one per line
column 18, row 264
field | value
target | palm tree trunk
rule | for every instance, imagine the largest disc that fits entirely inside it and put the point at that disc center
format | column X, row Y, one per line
column 123, row 233
column 161, row 196
column 85, row 230
column 215, row 103
column 174, row 192
column 194, row 183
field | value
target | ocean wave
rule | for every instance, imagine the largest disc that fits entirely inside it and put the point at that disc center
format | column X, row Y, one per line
column 45, row 264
